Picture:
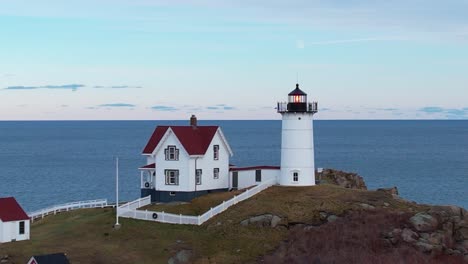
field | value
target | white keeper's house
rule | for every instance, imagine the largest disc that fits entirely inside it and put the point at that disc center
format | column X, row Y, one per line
column 14, row 222
column 183, row 162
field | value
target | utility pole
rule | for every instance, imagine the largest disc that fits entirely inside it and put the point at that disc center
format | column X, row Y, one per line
column 117, row 225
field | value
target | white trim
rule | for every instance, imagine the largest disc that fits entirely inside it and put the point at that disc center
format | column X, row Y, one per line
column 224, row 140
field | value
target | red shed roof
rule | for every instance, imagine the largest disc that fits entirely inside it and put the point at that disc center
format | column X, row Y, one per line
column 195, row 140
column 10, row 210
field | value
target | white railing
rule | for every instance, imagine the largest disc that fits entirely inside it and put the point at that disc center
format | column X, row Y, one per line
column 129, row 210
column 101, row 203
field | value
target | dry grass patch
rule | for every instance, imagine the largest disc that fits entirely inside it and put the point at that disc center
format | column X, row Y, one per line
column 197, row 206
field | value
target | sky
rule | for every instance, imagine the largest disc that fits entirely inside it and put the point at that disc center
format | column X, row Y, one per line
column 158, row 60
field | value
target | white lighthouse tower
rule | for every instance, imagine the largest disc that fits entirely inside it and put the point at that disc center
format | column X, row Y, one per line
column 297, row 140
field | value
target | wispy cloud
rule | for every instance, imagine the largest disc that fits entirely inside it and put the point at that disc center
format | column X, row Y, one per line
column 432, row 109
column 72, row 87
column 164, row 108
column 117, row 105
column 451, row 113
column 118, row 87
column 220, row 107
column 356, row 40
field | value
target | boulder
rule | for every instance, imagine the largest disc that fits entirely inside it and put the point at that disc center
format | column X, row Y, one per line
column 332, row 218
column 275, row 220
column 181, row 257
column 436, row 238
column 461, row 234
column 367, row 206
column 423, row 222
column 262, row 220
column 424, row 246
column 393, row 190
column 409, row 235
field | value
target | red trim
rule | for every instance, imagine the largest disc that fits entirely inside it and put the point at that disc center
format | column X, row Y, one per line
column 195, row 140
column 148, row 167
column 255, row 168
column 10, row 210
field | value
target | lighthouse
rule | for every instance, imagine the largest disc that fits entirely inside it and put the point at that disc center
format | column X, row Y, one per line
column 297, row 140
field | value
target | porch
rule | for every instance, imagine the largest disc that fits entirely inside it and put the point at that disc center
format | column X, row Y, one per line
column 148, row 176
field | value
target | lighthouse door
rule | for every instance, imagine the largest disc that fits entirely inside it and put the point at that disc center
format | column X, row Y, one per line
column 235, row 176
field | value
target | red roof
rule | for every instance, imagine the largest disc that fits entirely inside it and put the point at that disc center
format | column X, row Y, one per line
column 149, row 166
column 255, row 168
column 195, row 140
column 10, row 210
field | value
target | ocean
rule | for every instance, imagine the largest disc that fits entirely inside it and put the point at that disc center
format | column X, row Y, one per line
column 43, row 163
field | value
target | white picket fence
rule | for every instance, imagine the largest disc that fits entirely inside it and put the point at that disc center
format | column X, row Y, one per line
column 100, row 203
column 130, row 210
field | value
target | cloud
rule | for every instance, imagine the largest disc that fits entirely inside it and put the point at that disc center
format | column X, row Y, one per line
column 117, row 105
column 220, row 107
column 300, row 44
column 451, row 113
column 457, row 112
column 432, row 109
column 118, row 87
column 72, row 87
column 356, row 40
column 164, row 108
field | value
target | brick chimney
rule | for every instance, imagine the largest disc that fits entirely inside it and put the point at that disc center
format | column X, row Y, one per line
column 193, row 121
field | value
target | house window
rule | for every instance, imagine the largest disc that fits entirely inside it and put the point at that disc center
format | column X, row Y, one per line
column 171, row 193
column 216, row 173
column 295, row 176
column 198, row 174
column 172, row 177
column 21, row 228
column 172, row 153
column 258, row 175
column 216, row 152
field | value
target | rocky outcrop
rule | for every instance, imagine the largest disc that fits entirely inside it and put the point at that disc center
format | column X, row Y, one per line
column 266, row 220
column 343, row 179
column 439, row 230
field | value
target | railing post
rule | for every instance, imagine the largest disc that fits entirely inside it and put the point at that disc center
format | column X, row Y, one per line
column 211, row 212
column 180, row 218
column 162, row 216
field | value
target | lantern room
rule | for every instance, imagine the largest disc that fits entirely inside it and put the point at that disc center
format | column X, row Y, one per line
column 297, row 100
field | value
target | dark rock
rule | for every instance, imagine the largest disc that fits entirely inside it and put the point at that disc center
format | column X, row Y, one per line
column 423, row 222
column 436, row 238
column 424, row 246
column 392, row 190
column 323, row 216
column 461, row 234
column 409, row 235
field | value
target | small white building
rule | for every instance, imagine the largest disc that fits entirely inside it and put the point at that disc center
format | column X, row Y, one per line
column 14, row 222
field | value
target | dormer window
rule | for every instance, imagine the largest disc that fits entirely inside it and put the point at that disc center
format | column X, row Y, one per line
column 216, row 152
column 172, row 153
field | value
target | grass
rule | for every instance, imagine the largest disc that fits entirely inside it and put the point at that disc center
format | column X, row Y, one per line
column 197, row 206
column 87, row 235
